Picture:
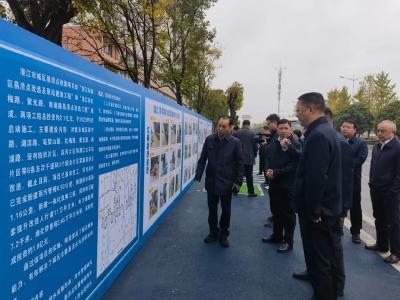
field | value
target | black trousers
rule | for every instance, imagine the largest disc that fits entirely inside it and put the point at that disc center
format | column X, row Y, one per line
column 248, row 173
column 386, row 211
column 356, row 213
column 284, row 216
column 320, row 254
column 225, row 218
column 261, row 163
column 339, row 261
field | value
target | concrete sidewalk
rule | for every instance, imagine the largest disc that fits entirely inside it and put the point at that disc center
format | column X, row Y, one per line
column 176, row 264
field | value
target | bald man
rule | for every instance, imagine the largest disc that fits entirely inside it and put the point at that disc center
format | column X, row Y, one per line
column 384, row 182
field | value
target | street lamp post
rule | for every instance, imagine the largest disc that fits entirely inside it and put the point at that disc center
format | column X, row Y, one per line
column 353, row 79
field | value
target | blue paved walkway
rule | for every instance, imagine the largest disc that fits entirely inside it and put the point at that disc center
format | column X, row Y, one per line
column 176, row 264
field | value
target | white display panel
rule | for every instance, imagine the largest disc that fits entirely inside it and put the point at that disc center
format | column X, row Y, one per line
column 163, row 159
column 190, row 151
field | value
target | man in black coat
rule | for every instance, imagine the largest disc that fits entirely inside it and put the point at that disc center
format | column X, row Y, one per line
column 249, row 152
column 272, row 123
column 347, row 171
column 384, row 183
column 318, row 194
column 348, row 129
column 346, row 164
column 224, row 174
column 281, row 173
column 263, row 137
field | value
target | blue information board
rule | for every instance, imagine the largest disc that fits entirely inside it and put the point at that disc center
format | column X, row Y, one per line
column 74, row 149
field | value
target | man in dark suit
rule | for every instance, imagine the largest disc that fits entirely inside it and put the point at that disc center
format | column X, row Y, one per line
column 281, row 173
column 263, row 137
column 318, row 194
column 384, row 183
column 224, row 174
column 347, row 171
column 348, row 129
column 272, row 123
column 346, row 164
column 249, row 152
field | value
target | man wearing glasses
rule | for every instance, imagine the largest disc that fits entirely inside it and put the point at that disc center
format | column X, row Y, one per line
column 224, row 175
column 318, row 194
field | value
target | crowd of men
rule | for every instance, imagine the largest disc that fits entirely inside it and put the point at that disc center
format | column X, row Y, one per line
column 316, row 174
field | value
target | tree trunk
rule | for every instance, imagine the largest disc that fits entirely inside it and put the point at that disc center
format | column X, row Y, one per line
column 47, row 23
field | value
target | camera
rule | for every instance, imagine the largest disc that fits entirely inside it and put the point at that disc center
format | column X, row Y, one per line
column 262, row 138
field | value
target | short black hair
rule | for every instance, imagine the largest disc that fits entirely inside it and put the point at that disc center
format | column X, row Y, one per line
column 297, row 132
column 226, row 117
column 328, row 112
column 351, row 122
column 284, row 121
column 246, row 123
column 273, row 118
column 313, row 99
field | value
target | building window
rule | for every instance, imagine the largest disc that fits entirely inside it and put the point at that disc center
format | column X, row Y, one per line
column 109, row 49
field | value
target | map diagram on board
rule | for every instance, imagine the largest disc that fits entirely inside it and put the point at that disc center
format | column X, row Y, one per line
column 117, row 216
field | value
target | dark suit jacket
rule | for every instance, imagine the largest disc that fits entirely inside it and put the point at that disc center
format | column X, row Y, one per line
column 249, row 145
column 360, row 154
column 274, row 137
column 284, row 166
column 318, row 179
column 225, row 164
column 384, row 174
column 346, row 155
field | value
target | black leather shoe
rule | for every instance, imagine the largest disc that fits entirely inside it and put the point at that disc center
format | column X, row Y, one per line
column 223, row 241
column 271, row 239
column 211, row 238
column 375, row 247
column 252, row 195
column 356, row 239
column 392, row 259
column 285, row 247
column 301, row 275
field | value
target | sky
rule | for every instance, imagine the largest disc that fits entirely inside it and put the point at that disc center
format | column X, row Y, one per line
column 315, row 42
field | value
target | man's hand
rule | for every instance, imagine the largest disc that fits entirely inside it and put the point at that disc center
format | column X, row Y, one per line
column 285, row 143
column 235, row 188
column 270, row 174
column 317, row 221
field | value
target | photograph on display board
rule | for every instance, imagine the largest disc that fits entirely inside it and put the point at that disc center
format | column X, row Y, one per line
column 155, row 135
column 171, row 187
column 165, row 134
column 154, row 168
column 173, row 134
column 172, row 162
column 164, row 165
column 185, row 177
column 194, row 168
column 163, row 195
column 179, row 134
column 153, row 204
column 177, row 183
column 179, row 156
